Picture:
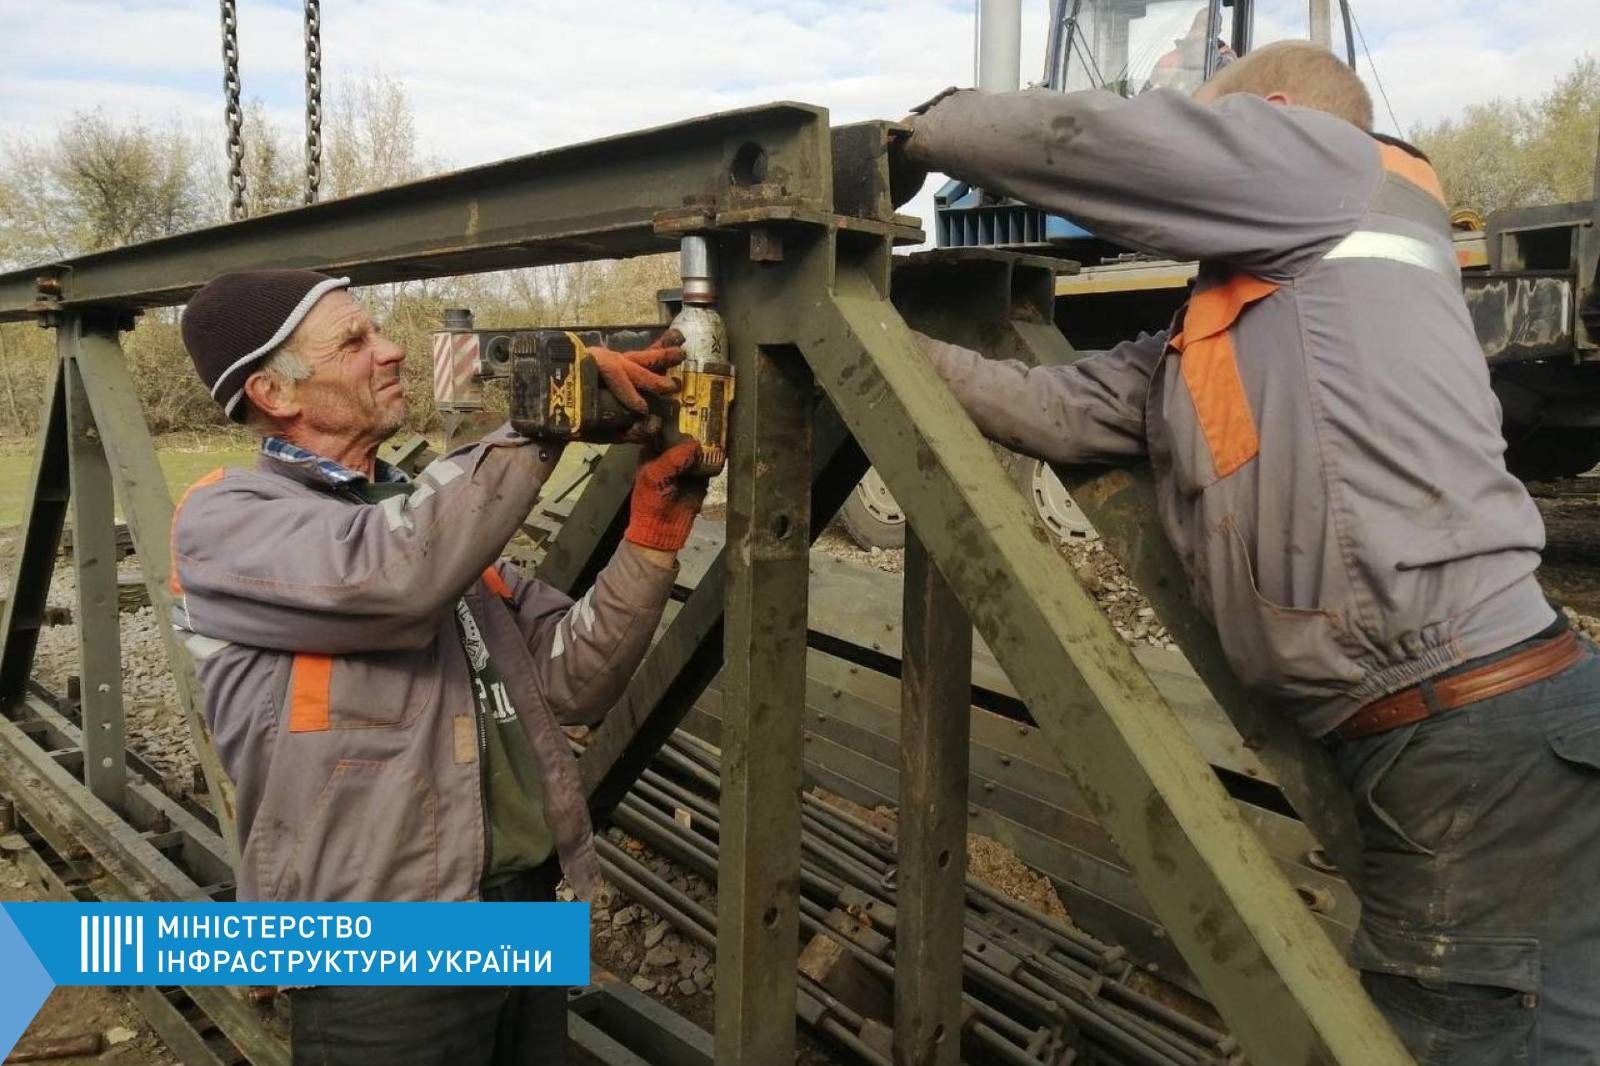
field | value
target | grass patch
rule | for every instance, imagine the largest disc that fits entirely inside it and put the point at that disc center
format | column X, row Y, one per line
column 185, row 458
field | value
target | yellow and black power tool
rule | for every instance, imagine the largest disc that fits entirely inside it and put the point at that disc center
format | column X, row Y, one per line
column 556, row 389
column 557, row 392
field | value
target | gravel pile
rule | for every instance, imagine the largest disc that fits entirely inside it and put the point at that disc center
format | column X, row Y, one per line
column 633, row 942
column 1588, row 625
column 154, row 721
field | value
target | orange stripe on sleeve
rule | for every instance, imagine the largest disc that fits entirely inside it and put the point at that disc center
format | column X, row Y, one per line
column 310, row 682
column 172, row 533
column 496, row 583
column 1417, row 171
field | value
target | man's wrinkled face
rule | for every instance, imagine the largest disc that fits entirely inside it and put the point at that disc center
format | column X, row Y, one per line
column 354, row 388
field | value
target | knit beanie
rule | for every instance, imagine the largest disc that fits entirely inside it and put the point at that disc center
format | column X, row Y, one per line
column 239, row 319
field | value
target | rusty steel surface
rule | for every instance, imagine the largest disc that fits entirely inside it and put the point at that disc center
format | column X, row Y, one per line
column 589, row 201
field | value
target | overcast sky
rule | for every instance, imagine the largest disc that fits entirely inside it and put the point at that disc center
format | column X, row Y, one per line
column 494, row 79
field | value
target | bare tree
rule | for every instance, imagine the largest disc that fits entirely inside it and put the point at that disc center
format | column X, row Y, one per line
column 97, row 185
column 371, row 137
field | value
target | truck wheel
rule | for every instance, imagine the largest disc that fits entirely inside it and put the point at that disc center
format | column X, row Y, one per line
column 872, row 517
column 1554, row 452
column 1058, row 511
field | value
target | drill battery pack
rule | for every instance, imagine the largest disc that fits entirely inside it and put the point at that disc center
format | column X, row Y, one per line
column 556, row 391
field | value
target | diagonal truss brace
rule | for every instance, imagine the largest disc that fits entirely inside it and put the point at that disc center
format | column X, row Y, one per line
column 1273, row 974
column 1001, row 304
column 92, row 383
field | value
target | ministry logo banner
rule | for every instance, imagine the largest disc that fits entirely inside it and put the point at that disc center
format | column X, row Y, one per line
column 49, row 944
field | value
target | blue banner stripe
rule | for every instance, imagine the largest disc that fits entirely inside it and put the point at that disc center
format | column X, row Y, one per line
column 304, row 944
column 25, row 984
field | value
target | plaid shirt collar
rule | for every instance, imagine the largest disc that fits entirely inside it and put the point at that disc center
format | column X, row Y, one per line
column 335, row 474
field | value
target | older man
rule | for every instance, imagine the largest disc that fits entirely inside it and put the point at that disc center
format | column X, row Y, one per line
column 385, row 694
column 1330, row 470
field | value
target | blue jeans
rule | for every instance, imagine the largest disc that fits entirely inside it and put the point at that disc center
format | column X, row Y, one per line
column 1480, row 925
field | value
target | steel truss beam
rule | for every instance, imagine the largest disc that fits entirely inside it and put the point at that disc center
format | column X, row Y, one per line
column 93, row 439
column 936, row 694
column 805, row 245
column 588, row 201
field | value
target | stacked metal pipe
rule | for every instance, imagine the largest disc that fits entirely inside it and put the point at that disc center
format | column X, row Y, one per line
column 1037, row 991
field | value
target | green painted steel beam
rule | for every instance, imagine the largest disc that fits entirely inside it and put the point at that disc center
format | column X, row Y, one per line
column 37, row 542
column 594, row 528
column 589, row 201
column 1273, row 974
column 936, row 696
column 147, row 505
column 763, row 682
column 94, row 558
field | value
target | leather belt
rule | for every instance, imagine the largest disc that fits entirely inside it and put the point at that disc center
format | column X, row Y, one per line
column 1535, row 663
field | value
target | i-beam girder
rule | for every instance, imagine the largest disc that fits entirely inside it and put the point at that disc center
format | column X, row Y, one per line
column 805, row 244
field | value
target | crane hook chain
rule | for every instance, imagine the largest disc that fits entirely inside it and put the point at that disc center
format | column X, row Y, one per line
column 313, row 99
column 235, row 115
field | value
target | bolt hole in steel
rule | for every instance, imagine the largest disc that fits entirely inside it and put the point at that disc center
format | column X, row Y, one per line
column 944, row 859
column 770, row 918
column 780, row 529
column 1318, row 900
column 749, row 165
column 938, row 1033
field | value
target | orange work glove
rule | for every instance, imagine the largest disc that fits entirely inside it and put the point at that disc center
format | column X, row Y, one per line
column 665, row 501
column 631, row 374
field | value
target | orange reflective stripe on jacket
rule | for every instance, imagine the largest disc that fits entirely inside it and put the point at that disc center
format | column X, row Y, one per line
column 1417, row 171
column 1211, row 371
column 310, row 681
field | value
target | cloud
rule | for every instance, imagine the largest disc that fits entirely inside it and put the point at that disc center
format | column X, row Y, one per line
column 490, row 79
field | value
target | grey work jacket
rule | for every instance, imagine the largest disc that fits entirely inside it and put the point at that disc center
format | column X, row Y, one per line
column 336, row 687
column 1327, row 449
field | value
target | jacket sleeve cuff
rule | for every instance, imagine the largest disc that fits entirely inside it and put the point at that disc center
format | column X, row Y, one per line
column 638, row 581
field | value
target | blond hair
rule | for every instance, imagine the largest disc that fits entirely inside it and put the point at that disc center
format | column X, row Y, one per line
column 1308, row 74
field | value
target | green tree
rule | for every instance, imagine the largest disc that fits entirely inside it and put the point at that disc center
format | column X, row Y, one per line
column 1516, row 152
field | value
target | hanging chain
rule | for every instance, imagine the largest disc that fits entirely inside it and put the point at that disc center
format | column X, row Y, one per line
column 313, row 99
column 230, row 88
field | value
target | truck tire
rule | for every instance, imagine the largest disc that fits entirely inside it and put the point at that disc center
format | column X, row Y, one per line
column 1553, row 452
column 872, row 517
column 1056, row 509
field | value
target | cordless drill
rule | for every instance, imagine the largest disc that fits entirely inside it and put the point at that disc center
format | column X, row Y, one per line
column 556, row 389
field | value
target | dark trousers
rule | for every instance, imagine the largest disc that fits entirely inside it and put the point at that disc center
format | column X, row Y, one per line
column 480, row 1026
column 1480, row 924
